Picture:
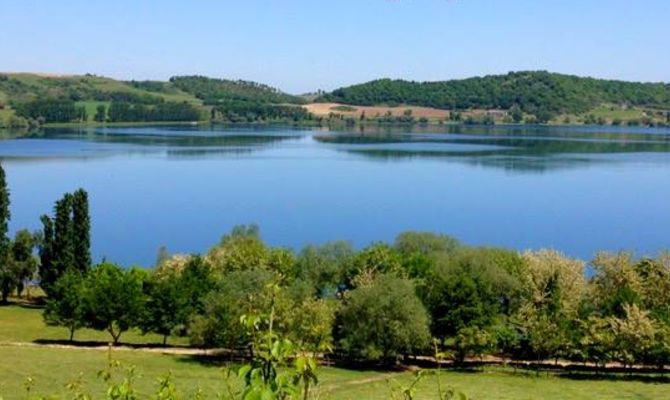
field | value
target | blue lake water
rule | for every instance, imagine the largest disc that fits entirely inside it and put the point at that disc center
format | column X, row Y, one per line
column 575, row 189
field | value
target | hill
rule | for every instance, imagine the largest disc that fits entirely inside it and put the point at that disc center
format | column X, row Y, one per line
column 215, row 91
column 33, row 99
column 540, row 93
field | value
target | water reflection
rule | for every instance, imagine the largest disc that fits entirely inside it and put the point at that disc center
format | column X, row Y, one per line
column 515, row 148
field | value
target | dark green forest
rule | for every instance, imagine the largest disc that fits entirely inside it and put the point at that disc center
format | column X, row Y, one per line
column 540, row 93
column 216, row 91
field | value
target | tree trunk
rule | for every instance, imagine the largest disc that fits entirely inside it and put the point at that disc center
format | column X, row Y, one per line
column 72, row 328
column 164, row 340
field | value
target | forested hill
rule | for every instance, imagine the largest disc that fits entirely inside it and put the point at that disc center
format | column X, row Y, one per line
column 214, row 91
column 29, row 100
column 534, row 92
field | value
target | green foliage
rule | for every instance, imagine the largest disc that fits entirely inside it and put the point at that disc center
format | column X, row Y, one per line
column 383, row 321
column 472, row 287
column 65, row 239
column 173, row 298
column 214, row 91
column 379, row 258
column 122, row 111
column 113, row 299
column 65, row 306
column 252, row 111
column 48, row 110
column 81, row 231
column 237, row 295
column 324, row 267
column 540, row 93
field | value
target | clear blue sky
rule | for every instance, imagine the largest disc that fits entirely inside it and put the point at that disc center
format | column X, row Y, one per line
column 303, row 45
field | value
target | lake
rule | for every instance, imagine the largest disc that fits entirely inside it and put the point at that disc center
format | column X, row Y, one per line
column 575, row 189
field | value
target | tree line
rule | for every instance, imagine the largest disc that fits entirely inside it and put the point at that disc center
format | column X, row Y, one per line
column 167, row 111
column 235, row 111
column 538, row 93
column 213, row 91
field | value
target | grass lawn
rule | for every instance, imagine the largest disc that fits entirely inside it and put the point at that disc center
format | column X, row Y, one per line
column 52, row 369
column 25, row 324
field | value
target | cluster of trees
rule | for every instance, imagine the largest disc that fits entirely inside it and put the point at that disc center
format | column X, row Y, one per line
column 249, row 111
column 389, row 301
column 214, row 91
column 539, row 93
column 51, row 110
column 17, row 262
column 120, row 111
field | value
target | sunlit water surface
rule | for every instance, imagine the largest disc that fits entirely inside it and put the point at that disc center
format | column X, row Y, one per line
column 575, row 189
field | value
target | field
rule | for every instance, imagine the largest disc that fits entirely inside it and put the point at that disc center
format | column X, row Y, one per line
column 372, row 111
column 51, row 368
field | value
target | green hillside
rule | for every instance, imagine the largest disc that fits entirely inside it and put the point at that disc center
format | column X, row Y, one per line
column 26, row 87
column 30, row 100
column 215, row 91
column 540, row 93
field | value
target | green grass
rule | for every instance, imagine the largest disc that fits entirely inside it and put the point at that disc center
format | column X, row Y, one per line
column 52, row 368
column 103, row 84
column 610, row 112
column 25, row 324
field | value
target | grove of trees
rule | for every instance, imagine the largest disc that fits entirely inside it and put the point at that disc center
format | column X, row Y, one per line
column 387, row 302
column 539, row 93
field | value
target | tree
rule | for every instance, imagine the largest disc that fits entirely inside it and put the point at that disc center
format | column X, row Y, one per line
column 634, row 335
column 66, row 239
column 5, row 215
column 113, row 299
column 164, row 309
column 472, row 287
column 473, row 341
column 65, row 307
column 516, row 113
column 174, row 297
column 383, row 321
column 616, row 283
column 379, row 258
column 324, row 267
column 63, row 246
column 100, row 113
column 48, row 273
column 21, row 258
column 7, row 276
column 237, row 295
column 81, row 231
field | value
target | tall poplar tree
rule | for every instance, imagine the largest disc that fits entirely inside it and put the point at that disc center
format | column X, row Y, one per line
column 5, row 215
column 81, row 231
column 7, row 277
column 48, row 274
column 63, row 250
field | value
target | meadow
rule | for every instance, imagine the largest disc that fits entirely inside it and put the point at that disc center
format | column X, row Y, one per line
column 28, row 363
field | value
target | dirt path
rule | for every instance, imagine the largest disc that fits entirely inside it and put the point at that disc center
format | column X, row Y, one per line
column 186, row 351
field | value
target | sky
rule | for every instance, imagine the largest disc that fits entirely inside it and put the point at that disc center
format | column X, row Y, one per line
column 305, row 45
